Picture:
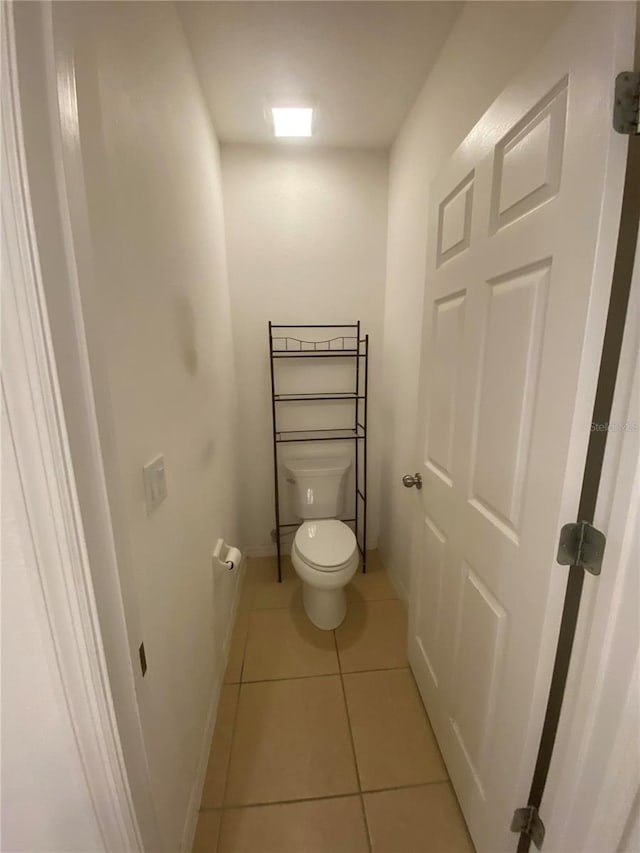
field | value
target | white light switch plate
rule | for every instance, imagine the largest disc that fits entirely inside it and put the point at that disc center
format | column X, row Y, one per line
column 155, row 484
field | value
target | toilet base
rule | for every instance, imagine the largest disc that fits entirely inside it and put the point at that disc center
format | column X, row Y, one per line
column 323, row 591
column 326, row 608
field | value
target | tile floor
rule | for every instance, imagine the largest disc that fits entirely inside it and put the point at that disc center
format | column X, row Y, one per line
column 322, row 744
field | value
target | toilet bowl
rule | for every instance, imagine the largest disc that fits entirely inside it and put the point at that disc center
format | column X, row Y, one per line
column 325, row 558
column 324, row 553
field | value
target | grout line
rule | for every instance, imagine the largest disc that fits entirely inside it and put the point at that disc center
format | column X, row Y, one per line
column 251, row 583
column 353, row 746
column 244, row 646
column 290, row 678
column 295, row 678
column 319, row 674
column 410, row 785
column 229, row 806
column 375, row 669
column 233, row 735
column 366, row 823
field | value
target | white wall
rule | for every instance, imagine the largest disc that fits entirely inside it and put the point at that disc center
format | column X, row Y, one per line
column 158, row 315
column 306, row 238
column 489, row 43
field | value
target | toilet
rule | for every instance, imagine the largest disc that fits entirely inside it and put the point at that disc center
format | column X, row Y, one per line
column 324, row 551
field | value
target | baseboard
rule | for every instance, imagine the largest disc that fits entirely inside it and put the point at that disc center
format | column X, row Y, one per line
column 403, row 592
column 397, row 584
column 191, row 820
column 260, row 551
column 266, row 550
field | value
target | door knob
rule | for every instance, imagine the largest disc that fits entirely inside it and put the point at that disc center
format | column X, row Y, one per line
column 416, row 480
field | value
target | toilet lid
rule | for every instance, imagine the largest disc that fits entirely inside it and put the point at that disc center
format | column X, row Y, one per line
column 326, row 543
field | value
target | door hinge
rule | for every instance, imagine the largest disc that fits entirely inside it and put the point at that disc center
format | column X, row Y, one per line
column 528, row 822
column 626, row 103
column 582, row 545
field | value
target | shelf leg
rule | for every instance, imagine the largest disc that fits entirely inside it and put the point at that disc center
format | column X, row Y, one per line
column 275, row 453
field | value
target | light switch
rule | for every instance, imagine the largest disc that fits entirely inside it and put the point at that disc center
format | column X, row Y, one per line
column 155, row 484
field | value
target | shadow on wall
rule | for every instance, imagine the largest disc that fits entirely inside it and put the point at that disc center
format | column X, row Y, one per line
column 186, row 332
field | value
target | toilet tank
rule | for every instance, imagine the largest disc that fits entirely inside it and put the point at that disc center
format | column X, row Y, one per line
column 317, row 486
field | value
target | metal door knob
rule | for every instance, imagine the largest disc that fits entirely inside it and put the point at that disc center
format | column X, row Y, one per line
column 416, row 480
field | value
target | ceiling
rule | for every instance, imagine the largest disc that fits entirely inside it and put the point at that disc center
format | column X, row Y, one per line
column 360, row 63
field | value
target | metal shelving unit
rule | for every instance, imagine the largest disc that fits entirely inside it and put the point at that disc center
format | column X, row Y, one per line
column 344, row 342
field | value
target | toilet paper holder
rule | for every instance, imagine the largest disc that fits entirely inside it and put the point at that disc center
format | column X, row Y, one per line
column 227, row 556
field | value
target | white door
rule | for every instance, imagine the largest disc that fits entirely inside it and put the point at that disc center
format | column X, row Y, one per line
column 522, row 232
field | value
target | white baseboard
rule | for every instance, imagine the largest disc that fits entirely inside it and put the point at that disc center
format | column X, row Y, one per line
column 400, row 588
column 396, row 582
column 266, row 550
column 260, row 551
column 191, row 819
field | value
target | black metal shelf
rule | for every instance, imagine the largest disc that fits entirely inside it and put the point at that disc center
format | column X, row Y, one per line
column 330, row 353
column 342, row 346
column 320, row 354
column 284, row 436
column 338, row 346
column 297, row 523
column 320, row 395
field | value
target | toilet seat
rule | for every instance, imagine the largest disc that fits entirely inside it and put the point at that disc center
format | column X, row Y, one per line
column 326, row 545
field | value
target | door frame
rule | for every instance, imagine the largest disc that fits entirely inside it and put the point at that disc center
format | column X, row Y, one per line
column 612, row 806
column 57, row 447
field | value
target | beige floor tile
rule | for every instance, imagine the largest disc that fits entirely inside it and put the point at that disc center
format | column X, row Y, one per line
column 393, row 739
column 373, row 636
column 237, row 647
column 426, row 819
column 317, row 826
column 268, row 593
column 372, row 586
column 291, row 742
column 286, row 644
column 213, row 791
column 207, row 832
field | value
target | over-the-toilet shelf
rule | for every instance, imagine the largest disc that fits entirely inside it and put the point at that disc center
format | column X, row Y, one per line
column 292, row 343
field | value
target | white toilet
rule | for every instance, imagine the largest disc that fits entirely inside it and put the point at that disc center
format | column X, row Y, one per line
column 324, row 551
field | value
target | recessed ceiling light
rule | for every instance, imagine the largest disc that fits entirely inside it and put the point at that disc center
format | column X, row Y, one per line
column 292, row 121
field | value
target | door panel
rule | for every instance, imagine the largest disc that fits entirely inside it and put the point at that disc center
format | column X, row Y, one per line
column 429, row 629
column 515, row 304
column 528, row 164
column 454, row 221
column 480, row 647
column 509, row 360
column 448, row 326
